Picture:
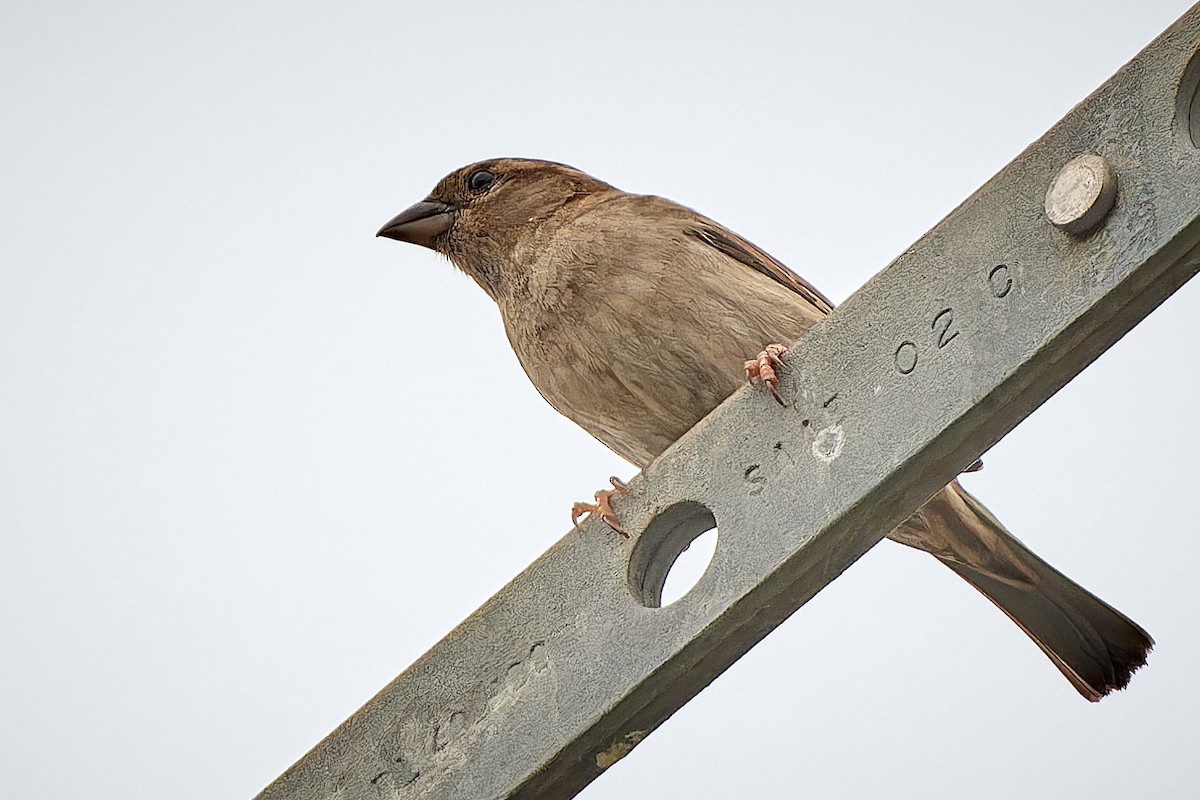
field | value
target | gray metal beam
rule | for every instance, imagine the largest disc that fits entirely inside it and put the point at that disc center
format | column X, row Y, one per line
column 568, row 667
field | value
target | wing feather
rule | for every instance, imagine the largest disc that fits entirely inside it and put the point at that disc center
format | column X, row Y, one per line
column 742, row 251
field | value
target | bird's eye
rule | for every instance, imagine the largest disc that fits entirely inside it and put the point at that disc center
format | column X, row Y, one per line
column 479, row 179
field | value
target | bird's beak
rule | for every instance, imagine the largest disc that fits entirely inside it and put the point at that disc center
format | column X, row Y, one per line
column 419, row 224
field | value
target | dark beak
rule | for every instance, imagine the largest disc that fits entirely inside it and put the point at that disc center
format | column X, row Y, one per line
column 419, row 224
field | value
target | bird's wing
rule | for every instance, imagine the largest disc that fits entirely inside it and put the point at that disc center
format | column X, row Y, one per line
column 737, row 248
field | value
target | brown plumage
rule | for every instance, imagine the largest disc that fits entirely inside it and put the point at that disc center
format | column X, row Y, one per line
column 633, row 316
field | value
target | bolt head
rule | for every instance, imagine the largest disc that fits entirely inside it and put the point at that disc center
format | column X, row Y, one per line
column 1081, row 194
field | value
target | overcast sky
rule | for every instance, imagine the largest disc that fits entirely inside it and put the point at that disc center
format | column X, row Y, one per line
column 240, row 489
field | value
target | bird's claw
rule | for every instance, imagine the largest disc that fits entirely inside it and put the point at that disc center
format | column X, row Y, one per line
column 762, row 369
column 603, row 506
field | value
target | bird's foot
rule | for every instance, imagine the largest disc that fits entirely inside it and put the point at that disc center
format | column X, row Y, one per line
column 761, row 370
column 975, row 466
column 603, row 506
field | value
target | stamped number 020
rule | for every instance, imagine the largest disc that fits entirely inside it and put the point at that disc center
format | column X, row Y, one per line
column 942, row 327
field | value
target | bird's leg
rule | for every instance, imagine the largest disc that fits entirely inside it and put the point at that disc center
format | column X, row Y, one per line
column 603, row 506
column 761, row 370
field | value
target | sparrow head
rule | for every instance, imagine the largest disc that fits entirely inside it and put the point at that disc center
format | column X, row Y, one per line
column 479, row 214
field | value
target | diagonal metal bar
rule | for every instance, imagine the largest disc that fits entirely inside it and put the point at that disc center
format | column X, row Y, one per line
column 569, row 666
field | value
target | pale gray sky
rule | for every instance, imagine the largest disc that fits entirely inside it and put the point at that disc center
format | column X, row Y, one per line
column 239, row 491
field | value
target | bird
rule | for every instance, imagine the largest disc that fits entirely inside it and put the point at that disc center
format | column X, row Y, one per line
column 633, row 316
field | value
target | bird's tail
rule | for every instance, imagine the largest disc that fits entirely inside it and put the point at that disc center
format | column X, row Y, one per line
column 1095, row 646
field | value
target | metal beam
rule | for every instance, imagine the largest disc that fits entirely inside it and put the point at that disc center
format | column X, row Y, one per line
column 567, row 668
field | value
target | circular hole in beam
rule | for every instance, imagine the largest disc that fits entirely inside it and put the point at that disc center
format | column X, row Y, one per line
column 1187, row 102
column 657, row 574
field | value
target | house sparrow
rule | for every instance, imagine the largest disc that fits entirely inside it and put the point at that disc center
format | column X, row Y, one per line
column 633, row 316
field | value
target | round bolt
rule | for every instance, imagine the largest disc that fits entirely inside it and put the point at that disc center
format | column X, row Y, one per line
column 1081, row 194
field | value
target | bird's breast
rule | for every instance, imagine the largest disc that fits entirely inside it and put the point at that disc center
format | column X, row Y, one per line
column 624, row 364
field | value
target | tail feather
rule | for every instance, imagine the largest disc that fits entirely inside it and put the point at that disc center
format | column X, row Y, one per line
column 1095, row 646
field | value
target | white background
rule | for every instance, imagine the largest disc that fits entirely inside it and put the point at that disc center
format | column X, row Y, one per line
column 254, row 461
